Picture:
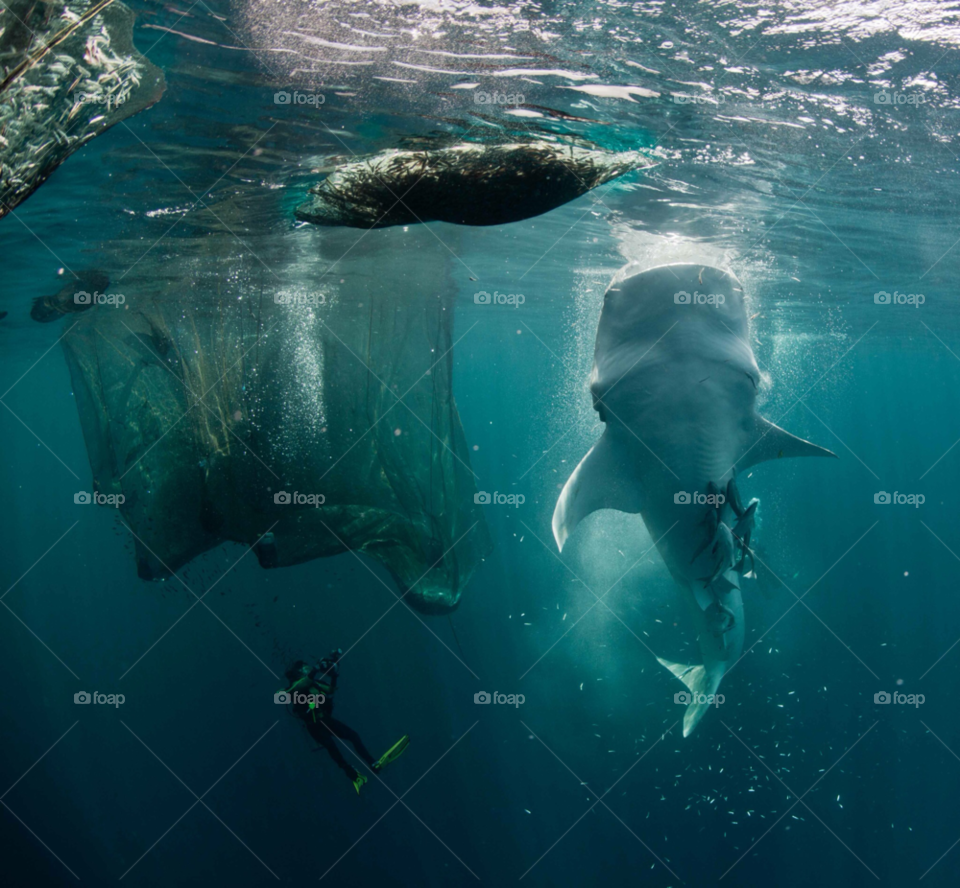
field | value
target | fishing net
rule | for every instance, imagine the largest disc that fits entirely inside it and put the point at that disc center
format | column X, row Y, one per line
column 321, row 416
column 67, row 73
column 468, row 184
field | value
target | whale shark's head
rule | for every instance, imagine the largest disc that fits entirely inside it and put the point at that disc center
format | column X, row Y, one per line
column 674, row 341
column 702, row 309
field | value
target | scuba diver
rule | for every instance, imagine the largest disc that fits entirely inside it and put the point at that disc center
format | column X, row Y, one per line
column 311, row 693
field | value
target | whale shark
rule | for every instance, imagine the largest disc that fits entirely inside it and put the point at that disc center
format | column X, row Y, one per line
column 675, row 383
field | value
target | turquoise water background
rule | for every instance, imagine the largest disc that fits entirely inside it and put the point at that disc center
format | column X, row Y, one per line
column 791, row 174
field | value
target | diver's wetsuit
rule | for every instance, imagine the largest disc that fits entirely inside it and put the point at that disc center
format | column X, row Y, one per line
column 323, row 727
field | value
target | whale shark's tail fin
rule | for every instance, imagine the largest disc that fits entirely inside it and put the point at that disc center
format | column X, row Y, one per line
column 599, row 482
column 701, row 686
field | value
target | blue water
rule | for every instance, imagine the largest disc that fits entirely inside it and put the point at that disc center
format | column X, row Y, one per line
column 814, row 194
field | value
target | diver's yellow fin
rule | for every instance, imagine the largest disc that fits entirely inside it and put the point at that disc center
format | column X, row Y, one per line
column 393, row 753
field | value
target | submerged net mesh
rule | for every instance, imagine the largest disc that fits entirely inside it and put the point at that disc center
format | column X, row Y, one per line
column 205, row 411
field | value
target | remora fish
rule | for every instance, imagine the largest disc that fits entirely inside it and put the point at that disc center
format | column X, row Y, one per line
column 464, row 184
column 675, row 381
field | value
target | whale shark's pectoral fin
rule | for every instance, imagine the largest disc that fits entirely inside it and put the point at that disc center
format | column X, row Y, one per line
column 601, row 481
column 701, row 684
column 772, row 442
